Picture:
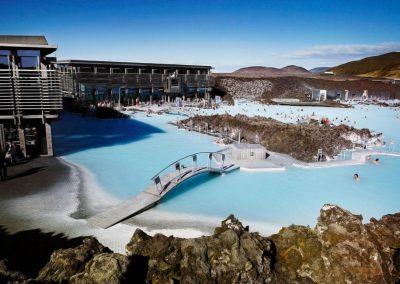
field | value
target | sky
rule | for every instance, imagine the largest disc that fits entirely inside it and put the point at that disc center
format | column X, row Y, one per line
column 225, row 34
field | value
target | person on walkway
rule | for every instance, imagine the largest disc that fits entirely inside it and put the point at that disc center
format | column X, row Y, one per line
column 3, row 166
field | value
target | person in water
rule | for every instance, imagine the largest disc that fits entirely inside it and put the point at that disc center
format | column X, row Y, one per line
column 356, row 177
column 376, row 162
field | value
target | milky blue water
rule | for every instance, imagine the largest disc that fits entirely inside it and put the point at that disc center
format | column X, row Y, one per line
column 124, row 154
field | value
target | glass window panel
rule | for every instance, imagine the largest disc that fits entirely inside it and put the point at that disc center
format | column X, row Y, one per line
column 86, row 69
column 28, row 52
column 118, row 70
column 29, row 62
column 5, row 52
column 4, row 62
column 103, row 70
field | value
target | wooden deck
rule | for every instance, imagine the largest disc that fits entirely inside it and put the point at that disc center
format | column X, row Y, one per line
column 152, row 195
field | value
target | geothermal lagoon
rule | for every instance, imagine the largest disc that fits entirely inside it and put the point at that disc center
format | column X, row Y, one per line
column 118, row 157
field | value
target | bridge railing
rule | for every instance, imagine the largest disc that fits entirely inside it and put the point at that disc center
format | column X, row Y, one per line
column 177, row 168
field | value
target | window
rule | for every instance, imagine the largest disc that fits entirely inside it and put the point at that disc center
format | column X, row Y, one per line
column 4, row 64
column 28, row 59
column 103, row 70
column 132, row 70
column 118, row 70
column 4, row 59
column 28, row 62
column 174, row 82
column 86, row 69
column 145, row 71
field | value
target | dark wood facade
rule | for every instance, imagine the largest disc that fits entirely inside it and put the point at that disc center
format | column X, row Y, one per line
column 154, row 79
column 30, row 93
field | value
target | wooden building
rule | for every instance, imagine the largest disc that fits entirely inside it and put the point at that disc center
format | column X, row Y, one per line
column 125, row 81
column 30, row 94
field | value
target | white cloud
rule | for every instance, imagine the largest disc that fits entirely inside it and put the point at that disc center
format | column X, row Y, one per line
column 332, row 52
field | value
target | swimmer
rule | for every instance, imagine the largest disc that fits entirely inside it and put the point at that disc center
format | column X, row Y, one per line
column 356, row 177
column 376, row 162
column 368, row 158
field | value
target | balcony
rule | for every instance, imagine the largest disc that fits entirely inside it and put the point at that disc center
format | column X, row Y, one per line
column 29, row 94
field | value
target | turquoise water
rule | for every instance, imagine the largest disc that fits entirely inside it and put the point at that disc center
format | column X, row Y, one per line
column 124, row 154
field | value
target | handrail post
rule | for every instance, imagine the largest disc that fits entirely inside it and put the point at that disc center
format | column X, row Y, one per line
column 157, row 181
column 178, row 168
column 194, row 162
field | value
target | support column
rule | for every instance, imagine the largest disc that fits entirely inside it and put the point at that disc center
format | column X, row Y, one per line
column 2, row 138
column 346, row 95
column 49, row 139
column 94, row 96
column 22, row 143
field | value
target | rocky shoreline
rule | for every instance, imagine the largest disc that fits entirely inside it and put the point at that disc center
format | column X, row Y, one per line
column 301, row 141
column 263, row 89
column 340, row 249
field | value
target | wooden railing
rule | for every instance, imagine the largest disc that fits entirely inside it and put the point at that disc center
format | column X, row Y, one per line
column 130, row 80
column 29, row 92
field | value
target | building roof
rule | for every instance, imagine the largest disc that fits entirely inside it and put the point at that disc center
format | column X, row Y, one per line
column 26, row 42
column 18, row 39
column 247, row 146
column 74, row 62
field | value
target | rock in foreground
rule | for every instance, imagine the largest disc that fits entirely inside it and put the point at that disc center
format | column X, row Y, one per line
column 340, row 249
column 230, row 255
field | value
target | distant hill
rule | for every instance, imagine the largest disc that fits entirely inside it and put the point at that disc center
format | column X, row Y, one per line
column 381, row 66
column 258, row 70
column 319, row 70
column 271, row 71
column 293, row 69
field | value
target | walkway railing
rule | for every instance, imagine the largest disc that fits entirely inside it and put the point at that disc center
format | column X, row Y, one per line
column 177, row 170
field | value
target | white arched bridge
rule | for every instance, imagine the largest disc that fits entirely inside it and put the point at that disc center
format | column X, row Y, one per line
column 162, row 183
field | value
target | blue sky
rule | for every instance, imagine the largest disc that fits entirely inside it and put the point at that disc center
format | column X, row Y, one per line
column 225, row 34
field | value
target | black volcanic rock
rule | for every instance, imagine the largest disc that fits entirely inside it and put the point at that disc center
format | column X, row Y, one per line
column 104, row 268
column 264, row 88
column 301, row 141
column 340, row 249
column 64, row 263
column 8, row 275
column 230, row 255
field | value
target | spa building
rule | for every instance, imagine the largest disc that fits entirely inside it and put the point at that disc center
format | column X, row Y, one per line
column 30, row 94
column 34, row 88
column 92, row 81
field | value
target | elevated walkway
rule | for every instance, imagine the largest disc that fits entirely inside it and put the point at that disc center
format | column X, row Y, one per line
column 163, row 182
